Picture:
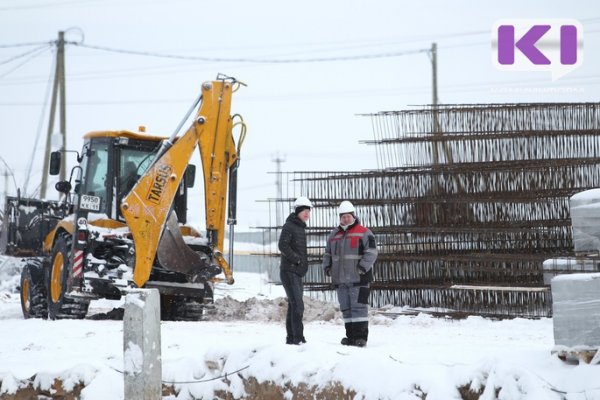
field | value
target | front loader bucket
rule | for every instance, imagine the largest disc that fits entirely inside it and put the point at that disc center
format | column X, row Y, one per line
column 25, row 224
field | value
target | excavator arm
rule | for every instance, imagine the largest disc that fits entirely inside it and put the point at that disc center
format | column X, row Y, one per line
column 147, row 206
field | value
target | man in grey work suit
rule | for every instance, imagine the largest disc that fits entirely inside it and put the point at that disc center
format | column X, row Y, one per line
column 349, row 256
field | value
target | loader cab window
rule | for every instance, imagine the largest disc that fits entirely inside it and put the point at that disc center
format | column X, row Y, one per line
column 134, row 158
column 133, row 164
column 95, row 165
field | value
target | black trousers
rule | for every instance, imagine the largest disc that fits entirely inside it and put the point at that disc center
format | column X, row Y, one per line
column 292, row 283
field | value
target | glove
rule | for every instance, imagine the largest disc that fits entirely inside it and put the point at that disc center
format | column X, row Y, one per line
column 328, row 271
column 361, row 270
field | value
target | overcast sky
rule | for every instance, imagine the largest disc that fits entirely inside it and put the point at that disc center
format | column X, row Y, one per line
column 299, row 109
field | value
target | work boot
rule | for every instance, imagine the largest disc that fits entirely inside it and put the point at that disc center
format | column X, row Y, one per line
column 348, row 326
column 295, row 340
column 349, row 332
column 361, row 330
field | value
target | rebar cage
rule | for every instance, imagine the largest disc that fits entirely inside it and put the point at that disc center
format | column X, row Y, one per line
column 466, row 204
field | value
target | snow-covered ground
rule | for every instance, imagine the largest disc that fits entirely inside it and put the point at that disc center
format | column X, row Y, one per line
column 406, row 357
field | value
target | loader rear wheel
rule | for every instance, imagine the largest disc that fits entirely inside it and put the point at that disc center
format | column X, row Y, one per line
column 33, row 290
column 180, row 308
column 60, row 305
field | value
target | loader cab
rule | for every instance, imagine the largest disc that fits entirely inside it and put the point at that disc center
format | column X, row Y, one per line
column 112, row 163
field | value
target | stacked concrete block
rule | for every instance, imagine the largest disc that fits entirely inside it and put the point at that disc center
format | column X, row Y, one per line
column 576, row 310
column 585, row 216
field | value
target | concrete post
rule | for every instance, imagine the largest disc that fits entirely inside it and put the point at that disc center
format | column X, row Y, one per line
column 142, row 370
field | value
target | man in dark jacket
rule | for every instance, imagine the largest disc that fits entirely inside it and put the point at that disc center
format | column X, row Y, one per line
column 349, row 257
column 294, row 265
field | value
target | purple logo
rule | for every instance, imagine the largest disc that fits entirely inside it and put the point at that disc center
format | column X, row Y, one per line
column 538, row 45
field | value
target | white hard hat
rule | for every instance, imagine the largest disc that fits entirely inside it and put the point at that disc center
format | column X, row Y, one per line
column 346, row 207
column 302, row 202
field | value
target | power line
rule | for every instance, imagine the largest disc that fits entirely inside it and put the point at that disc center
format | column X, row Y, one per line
column 106, row 74
column 224, row 376
column 281, row 60
column 451, row 88
column 8, row 60
column 40, row 123
column 253, row 60
column 12, row 173
column 86, row 3
column 53, row 4
column 6, row 46
column 32, row 54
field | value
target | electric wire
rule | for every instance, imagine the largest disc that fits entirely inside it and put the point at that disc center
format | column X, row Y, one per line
column 495, row 87
column 40, row 124
column 32, row 55
column 52, row 4
column 253, row 60
column 116, row 73
column 6, row 46
column 8, row 60
column 11, row 172
column 224, row 376
column 557, row 390
column 278, row 60
column 362, row 43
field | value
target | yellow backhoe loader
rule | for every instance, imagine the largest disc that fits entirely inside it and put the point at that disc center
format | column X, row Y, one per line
column 123, row 225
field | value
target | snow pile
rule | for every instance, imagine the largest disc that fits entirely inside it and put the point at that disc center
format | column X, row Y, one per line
column 270, row 310
column 10, row 274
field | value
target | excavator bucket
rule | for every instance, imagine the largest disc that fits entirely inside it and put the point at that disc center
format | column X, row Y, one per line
column 177, row 256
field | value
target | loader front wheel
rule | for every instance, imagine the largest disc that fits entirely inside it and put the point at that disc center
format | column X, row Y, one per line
column 60, row 305
column 33, row 290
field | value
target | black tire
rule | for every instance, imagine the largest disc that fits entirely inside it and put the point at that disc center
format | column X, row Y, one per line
column 179, row 308
column 33, row 290
column 60, row 305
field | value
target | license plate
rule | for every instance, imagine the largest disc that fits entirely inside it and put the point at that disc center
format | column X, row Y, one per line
column 90, row 203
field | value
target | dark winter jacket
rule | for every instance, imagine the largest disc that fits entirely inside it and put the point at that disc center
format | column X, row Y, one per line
column 292, row 245
column 350, row 255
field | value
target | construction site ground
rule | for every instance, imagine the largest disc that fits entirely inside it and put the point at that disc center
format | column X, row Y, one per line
column 240, row 353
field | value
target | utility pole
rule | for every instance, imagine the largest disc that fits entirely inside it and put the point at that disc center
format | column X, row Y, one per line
column 434, row 74
column 437, row 129
column 435, row 158
column 58, row 88
column 437, row 136
column 278, row 205
column 434, row 103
